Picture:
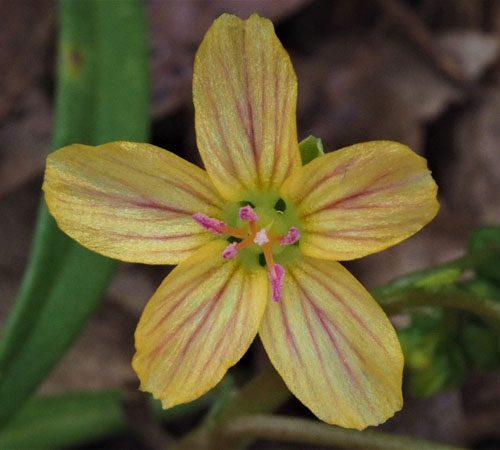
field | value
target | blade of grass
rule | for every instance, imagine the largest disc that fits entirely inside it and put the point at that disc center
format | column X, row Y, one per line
column 102, row 95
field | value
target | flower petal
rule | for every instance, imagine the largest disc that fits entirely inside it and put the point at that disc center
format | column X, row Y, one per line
column 334, row 346
column 361, row 199
column 245, row 94
column 130, row 201
column 200, row 322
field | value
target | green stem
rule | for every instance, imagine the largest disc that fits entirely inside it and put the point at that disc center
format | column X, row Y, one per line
column 436, row 286
column 264, row 393
column 310, row 432
column 443, row 273
column 449, row 296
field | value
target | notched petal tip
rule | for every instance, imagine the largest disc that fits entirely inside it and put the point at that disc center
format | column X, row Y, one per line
column 245, row 143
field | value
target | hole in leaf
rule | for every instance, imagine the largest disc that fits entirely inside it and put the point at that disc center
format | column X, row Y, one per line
column 247, row 203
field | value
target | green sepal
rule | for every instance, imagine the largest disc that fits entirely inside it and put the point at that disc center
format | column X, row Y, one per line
column 310, row 148
column 487, row 238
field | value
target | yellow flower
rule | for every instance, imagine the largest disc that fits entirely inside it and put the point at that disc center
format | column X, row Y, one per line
column 256, row 236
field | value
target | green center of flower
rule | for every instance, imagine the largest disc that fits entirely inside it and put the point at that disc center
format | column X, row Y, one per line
column 262, row 229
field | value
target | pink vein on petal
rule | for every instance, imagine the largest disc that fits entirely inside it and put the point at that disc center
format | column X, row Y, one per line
column 351, row 312
column 230, row 326
column 169, row 181
column 325, row 321
column 195, row 284
column 190, row 317
column 204, row 320
column 145, row 202
column 250, row 112
column 315, row 343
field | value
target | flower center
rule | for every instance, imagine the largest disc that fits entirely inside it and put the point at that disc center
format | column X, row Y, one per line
column 258, row 233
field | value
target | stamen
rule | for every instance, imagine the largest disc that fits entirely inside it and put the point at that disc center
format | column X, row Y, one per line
column 247, row 213
column 217, row 227
column 240, row 234
column 274, row 271
column 253, row 227
column 276, row 279
column 240, row 239
column 210, row 224
column 261, row 237
column 292, row 237
column 230, row 251
column 245, row 242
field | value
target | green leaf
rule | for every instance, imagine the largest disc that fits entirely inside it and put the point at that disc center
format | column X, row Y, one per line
column 310, row 148
column 418, row 348
column 482, row 288
column 75, row 419
column 445, row 276
column 65, row 421
column 481, row 346
column 433, row 361
column 446, row 371
column 487, row 238
column 102, row 95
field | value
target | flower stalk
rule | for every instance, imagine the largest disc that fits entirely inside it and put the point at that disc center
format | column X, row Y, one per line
column 450, row 297
column 311, row 432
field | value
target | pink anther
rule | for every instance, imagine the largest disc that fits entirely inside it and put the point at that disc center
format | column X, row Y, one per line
column 276, row 279
column 210, row 224
column 230, row 251
column 292, row 237
column 247, row 213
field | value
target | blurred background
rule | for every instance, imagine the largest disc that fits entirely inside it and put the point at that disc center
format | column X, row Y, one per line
column 422, row 72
